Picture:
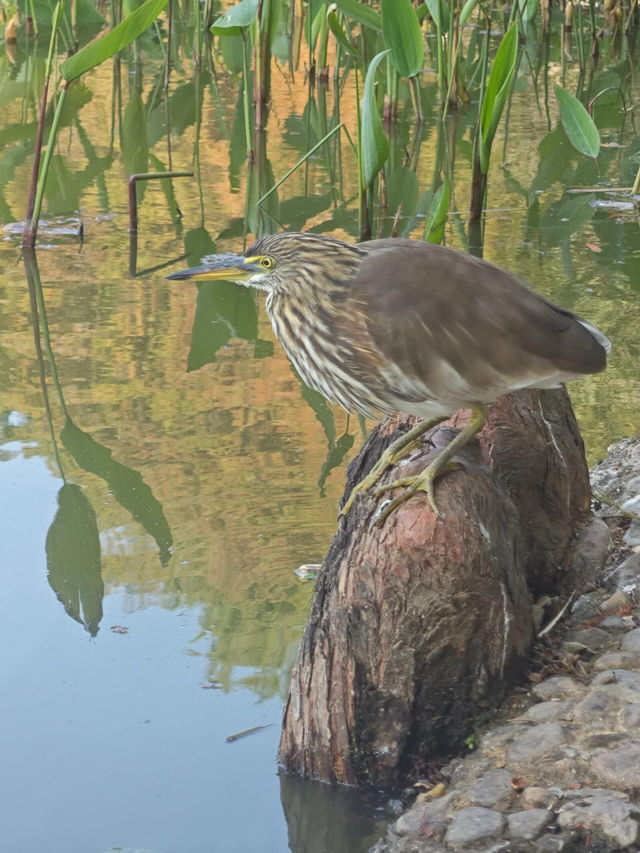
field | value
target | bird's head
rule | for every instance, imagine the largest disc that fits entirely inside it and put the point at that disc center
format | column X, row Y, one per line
column 278, row 261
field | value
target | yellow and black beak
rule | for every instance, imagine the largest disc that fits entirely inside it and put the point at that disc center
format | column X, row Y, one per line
column 229, row 267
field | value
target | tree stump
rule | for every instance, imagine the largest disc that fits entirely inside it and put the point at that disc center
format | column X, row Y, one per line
column 418, row 627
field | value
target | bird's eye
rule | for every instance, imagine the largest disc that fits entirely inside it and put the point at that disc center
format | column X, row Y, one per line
column 266, row 263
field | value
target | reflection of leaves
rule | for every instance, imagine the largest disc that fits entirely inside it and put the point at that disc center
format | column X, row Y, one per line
column 127, row 485
column 224, row 310
column 89, row 21
column 135, row 148
column 564, row 218
column 402, row 189
column 73, row 558
column 294, row 212
column 335, row 456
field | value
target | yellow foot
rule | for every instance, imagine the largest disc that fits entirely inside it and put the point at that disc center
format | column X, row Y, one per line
column 418, row 483
column 387, row 460
column 396, row 451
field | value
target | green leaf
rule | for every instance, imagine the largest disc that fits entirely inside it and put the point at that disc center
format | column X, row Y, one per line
column 112, row 42
column 360, row 13
column 578, row 124
column 234, row 20
column 495, row 96
column 374, row 143
column 403, row 36
column 439, row 11
column 437, row 213
column 339, row 34
column 466, row 12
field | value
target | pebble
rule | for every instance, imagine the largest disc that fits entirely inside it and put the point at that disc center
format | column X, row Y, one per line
column 603, row 812
column 558, row 687
column 472, row 825
column 535, row 797
column 536, row 742
column 624, row 677
column 426, row 817
column 598, row 702
column 528, row 824
column 617, row 601
column 631, row 641
column 548, row 712
column 617, row 660
column 619, row 767
column 592, row 638
column 493, row 790
column 630, row 718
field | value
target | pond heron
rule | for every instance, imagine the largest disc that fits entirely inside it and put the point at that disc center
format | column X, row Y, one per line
column 405, row 326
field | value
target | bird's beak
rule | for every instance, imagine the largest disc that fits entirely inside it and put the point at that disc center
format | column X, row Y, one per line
column 228, row 266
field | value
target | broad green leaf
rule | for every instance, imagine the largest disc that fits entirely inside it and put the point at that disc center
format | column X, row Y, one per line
column 360, row 13
column 375, row 146
column 466, row 12
column 339, row 34
column 437, row 213
column 403, row 36
column 495, row 96
column 112, row 42
column 578, row 124
column 235, row 19
column 439, row 11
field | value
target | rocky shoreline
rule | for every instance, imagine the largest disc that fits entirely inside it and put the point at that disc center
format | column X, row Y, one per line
column 560, row 769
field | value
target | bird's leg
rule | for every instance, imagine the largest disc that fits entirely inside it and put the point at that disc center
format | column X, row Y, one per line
column 423, row 482
column 396, row 451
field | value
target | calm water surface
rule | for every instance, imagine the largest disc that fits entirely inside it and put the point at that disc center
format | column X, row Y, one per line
column 163, row 472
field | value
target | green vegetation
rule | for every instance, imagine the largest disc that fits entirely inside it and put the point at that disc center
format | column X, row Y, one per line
column 431, row 60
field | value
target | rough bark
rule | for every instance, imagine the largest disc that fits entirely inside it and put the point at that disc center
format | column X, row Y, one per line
column 418, row 627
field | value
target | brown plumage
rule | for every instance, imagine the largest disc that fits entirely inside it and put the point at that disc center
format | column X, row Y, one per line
column 402, row 325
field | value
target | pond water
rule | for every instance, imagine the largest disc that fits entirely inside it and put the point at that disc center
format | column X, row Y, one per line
column 162, row 469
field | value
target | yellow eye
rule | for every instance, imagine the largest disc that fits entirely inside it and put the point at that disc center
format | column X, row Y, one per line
column 266, row 263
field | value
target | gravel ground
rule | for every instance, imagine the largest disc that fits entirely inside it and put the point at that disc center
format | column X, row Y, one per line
column 560, row 769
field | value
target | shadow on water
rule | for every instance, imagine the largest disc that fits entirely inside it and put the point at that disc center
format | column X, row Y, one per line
column 327, row 819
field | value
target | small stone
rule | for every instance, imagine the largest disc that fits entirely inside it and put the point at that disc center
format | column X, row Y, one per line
column 617, row 660
column 549, row 844
column 628, row 572
column 585, row 608
column 632, row 534
column 472, row 825
column 614, row 621
column 605, row 813
column 631, row 716
column 619, row 768
column 631, row 641
column 536, row 742
column 548, row 712
column 615, row 602
column 493, row 790
column 527, row 825
column 558, row 687
column 426, row 817
column 623, row 677
column 590, row 552
column 535, row 797
column 597, row 703
column 593, row 638
column 498, row 738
